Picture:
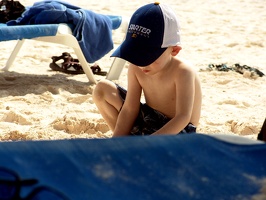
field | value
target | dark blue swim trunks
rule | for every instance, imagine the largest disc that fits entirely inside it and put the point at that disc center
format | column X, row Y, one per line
column 149, row 120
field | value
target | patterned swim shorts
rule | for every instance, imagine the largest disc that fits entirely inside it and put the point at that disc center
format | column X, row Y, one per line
column 149, row 120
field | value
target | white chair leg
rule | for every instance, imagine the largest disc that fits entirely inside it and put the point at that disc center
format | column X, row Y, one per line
column 116, row 69
column 85, row 66
column 13, row 55
column 118, row 63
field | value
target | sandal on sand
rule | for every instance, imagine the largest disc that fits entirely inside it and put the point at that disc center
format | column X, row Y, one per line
column 221, row 67
column 242, row 68
column 65, row 56
column 67, row 69
column 72, row 65
column 68, row 66
column 237, row 68
column 97, row 70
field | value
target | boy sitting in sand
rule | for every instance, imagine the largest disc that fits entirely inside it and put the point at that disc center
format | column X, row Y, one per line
column 170, row 86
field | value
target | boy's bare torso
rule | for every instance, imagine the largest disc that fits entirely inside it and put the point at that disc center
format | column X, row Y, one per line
column 162, row 91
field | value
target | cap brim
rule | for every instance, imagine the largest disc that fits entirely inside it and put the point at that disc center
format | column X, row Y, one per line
column 140, row 56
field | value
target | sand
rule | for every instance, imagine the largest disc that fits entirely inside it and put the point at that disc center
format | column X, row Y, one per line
column 39, row 104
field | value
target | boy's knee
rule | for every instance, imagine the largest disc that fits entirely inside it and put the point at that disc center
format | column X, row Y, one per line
column 99, row 89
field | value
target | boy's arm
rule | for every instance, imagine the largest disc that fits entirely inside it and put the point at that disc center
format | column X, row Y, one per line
column 130, row 109
column 185, row 91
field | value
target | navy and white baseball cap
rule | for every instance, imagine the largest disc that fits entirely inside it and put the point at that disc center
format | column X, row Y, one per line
column 152, row 28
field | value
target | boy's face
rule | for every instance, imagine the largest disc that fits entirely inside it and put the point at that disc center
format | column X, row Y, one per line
column 162, row 61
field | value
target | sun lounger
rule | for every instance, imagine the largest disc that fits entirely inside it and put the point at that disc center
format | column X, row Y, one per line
column 60, row 34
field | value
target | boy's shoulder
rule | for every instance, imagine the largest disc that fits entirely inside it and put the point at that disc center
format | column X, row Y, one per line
column 180, row 64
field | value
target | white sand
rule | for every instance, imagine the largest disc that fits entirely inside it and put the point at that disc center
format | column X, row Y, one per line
column 37, row 103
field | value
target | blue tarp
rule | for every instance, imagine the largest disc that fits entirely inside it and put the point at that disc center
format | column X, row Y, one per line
column 192, row 166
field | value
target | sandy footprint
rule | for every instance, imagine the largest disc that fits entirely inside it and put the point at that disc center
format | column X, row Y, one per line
column 229, row 101
column 236, row 103
column 243, row 128
column 223, row 82
column 78, row 99
column 232, row 44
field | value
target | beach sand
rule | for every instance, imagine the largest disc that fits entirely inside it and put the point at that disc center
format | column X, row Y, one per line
column 39, row 104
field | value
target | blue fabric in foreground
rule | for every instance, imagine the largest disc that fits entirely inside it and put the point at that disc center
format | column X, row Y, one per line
column 186, row 166
column 92, row 30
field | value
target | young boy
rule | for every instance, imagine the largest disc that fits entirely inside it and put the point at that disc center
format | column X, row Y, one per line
column 170, row 86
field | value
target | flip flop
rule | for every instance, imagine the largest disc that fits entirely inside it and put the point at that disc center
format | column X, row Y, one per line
column 221, row 67
column 72, row 65
column 59, row 68
column 97, row 70
column 237, row 68
column 242, row 68
column 69, row 66
column 63, row 56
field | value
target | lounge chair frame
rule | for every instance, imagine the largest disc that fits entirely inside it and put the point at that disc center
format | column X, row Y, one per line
column 65, row 37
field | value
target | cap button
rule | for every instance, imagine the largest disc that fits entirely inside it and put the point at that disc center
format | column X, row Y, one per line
column 156, row 3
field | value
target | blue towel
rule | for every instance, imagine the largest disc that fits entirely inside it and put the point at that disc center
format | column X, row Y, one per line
column 93, row 31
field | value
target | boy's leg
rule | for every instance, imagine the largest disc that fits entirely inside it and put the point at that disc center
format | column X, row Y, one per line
column 107, row 99
column 262, row 133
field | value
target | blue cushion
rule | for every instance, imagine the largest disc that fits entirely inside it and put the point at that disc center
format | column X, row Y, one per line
column 26, row 31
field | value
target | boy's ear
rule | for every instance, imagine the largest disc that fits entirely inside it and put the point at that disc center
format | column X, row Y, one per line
column 175, row 50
